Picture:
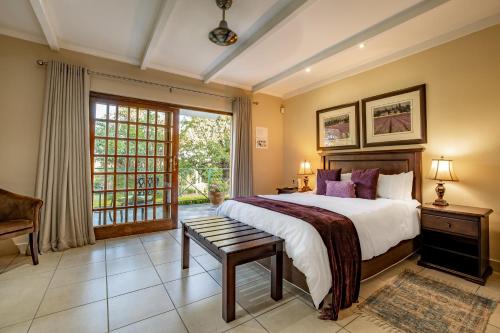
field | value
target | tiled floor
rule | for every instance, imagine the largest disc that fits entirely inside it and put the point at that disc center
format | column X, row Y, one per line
column 135, row 284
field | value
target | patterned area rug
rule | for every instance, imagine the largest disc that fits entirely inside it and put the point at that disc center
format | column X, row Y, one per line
column 414, row 303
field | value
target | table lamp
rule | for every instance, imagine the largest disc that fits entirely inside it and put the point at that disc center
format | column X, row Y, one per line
column 441, row 170
column 305, row 170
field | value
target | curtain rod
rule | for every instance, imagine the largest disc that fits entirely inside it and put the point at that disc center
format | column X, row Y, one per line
column 151, row 83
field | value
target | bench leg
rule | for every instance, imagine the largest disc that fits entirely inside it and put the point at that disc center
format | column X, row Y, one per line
column 185, row 248
column 228, row 290
column 277, row 273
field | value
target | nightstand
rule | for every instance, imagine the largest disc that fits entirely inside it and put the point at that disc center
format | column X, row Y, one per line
column 285, row 190
column 455, row 239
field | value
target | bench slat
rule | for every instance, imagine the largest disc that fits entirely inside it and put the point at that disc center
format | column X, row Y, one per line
column 194, row 219
column 213, row 225
column 238, row 224
column 241, row 239
column 251, row 244
column 208, row 221
column 225, row 231
column 232, row 235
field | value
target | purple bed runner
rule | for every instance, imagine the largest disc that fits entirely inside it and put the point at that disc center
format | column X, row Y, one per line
column 341, row 240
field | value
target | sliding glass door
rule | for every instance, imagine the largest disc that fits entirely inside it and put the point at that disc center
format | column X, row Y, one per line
column 134, row 146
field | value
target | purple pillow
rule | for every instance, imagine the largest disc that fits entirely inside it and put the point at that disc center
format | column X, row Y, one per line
column 366, row 183
column 341, row 189
column 324, row 175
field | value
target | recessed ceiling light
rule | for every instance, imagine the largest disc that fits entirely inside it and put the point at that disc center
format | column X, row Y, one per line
column 362, row 45
column 308, row 69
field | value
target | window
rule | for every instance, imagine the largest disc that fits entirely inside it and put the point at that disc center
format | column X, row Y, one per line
column 133, row 156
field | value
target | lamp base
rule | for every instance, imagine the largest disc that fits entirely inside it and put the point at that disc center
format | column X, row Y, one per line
column 440, row 193
column 305, row 188
column 440, row 202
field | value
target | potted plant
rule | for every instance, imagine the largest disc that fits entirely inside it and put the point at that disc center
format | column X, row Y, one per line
column 216, row 193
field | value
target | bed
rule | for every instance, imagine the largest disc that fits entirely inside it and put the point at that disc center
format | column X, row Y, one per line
column 391, row 237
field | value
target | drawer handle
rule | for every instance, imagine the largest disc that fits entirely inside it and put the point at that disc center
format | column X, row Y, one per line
column 449, row 225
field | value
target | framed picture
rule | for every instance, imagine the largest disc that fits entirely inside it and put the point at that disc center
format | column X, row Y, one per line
column 338, row 127
column 395, row 118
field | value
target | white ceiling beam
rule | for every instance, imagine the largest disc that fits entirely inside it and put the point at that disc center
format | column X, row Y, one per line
column 354, row 40
column 166, row 10
column 47, row 28
column 268, row 22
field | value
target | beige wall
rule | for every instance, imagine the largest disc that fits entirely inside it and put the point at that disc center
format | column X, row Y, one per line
column 267, row 163
column 463, row 110
column 22, row 85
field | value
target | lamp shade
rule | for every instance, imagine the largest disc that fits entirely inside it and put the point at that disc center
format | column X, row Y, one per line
column 442, row 170
column 305, row 168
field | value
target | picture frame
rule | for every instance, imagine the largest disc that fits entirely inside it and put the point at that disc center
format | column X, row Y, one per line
column 395, row 118
column 337, row 127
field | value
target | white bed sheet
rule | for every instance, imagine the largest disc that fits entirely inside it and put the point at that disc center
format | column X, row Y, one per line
column 380, row 224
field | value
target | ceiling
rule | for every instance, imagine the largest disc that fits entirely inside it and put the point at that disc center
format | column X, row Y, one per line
column 278, row 39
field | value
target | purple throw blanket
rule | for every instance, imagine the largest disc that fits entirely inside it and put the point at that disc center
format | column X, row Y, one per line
column 341, row 241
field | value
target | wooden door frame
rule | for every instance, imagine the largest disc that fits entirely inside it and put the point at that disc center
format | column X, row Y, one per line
column 130, row 228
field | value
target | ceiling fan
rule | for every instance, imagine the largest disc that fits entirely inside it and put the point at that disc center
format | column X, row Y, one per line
column 222, row 35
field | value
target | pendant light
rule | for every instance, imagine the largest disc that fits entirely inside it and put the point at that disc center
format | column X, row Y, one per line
column 222, row 35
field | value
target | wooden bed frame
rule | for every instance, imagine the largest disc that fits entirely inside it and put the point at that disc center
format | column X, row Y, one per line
column 389, row 162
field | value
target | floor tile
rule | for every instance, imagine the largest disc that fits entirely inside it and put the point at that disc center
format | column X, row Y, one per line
column 160, row 244
column 155, row 236
column 192, row 289
column 244, row 274
column 63, row 298
column 196, row 250
column 363, row 325
column 122, row 241
column 208, row 262
column 176, row 234
column 20, row 298
column 138, row 305
column 130, row 281
column 91, row 318
column 17, row 328
column 256, row 297
column 66, row 276
column 167, row 322
column 79, row 258
column 124, row 251
column 122, row 265
column 172, row 253
column 205, row 316
column 5, row 260
column 173, row 270
column 22, row 266
column 295, row 317
column 251, row 326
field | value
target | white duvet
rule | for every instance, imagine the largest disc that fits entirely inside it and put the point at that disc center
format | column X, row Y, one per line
column 381, row 224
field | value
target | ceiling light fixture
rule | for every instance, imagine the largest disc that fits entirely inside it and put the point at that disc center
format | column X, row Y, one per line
column 362, row 45
column 308, row 69
column 222, row 35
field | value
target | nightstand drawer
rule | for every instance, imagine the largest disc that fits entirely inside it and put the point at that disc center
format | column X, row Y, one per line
column 448, row 224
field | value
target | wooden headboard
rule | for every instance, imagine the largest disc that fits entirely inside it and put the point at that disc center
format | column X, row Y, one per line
column 388, row 161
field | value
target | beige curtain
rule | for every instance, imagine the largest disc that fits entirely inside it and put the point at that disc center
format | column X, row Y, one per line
column 63, row 177
column 242, row 182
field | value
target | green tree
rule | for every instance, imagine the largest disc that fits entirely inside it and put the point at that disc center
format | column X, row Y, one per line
column 205, row 145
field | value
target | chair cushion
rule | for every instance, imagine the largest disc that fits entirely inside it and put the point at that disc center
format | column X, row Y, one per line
column 14, row 225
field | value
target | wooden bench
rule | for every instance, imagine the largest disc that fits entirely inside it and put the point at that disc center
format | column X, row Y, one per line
column 234, row 243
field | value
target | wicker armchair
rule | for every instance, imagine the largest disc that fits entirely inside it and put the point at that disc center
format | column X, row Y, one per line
column 20, row 215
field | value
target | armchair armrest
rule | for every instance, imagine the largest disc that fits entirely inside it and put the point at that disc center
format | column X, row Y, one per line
column 14, row 206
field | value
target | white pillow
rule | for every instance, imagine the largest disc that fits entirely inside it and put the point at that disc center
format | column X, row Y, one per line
column 397, row 187
column 345, row 176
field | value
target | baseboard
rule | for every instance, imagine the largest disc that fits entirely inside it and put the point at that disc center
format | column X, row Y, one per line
column 495, row 264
